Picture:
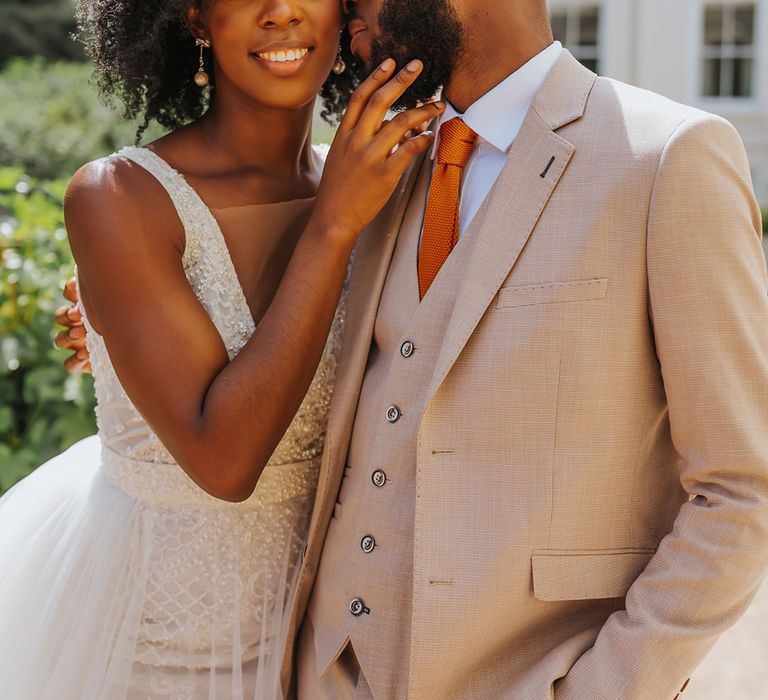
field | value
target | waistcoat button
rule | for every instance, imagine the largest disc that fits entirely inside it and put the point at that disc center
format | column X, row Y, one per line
column 368, row 544
column 393, row 414
column 406, row 349
column 357, row 607
column 379, row 478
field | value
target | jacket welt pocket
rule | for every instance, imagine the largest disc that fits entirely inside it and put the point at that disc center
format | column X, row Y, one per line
column 586, row 574
column 552, row 292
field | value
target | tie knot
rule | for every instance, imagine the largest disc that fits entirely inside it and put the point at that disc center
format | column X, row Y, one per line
column 456, row 142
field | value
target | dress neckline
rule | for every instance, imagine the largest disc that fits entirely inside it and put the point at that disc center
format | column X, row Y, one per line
column 214, row 227
column 256, row 205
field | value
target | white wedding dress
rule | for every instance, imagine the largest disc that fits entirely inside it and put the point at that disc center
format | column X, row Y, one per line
column 120, row 579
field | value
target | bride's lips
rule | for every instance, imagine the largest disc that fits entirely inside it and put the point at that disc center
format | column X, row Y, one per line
column 283, row 59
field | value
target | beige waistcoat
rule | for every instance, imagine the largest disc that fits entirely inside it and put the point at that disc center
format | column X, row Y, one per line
column 576, row 503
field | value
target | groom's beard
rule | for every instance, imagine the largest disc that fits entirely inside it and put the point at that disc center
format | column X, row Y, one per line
column 429, row 30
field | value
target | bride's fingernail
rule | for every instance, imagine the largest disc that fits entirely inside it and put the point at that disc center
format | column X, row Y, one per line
column 388, row 64
column 413, row 66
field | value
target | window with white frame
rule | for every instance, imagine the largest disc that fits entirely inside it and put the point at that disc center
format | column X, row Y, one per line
column 578, row 28
column 728, row 53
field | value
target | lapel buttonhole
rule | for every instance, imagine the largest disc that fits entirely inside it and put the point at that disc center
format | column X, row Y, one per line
column 549, row 165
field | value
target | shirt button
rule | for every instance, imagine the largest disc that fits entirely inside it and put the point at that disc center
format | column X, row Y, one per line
column 379, row 478
column 406, row 349
column 357, row 607
column 367, row 544
column 393, row 414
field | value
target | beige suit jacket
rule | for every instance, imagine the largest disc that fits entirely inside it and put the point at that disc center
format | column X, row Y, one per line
column 592, row 462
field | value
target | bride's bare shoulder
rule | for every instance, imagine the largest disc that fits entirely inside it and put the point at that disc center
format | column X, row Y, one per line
column 109, row 181
column 114, row 194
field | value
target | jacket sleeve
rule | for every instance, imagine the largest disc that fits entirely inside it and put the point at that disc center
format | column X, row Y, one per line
column 709, row 314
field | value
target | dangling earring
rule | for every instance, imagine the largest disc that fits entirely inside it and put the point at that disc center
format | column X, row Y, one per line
column 339, row 67
column 201, row 77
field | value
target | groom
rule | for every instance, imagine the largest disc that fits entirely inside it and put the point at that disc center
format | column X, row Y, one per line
column 546, row 469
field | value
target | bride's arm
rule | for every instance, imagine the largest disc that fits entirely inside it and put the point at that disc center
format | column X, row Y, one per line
column 222, row 420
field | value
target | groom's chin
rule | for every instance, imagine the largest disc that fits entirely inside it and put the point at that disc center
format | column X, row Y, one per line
column 361, row 50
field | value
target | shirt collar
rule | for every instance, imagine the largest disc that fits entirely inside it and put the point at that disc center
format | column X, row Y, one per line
column 498, row 115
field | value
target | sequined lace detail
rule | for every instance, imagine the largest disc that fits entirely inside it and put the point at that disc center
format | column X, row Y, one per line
column 211, row 571
column 211, row 567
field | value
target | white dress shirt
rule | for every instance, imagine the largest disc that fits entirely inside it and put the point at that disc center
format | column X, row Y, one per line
column 496, row 118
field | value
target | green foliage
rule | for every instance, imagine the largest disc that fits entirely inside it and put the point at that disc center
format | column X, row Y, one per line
column 38, row 28
column 56, row 122
column 42, row 408
column 765, row 221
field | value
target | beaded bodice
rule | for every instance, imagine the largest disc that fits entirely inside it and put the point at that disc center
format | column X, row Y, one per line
column 123, row 431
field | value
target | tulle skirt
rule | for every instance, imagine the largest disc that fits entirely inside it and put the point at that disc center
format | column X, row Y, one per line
column 108, row 596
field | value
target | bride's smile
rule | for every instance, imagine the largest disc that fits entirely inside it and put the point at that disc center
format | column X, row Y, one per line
column 283, row 58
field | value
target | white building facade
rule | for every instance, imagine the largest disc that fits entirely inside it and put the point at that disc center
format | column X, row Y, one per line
column 711, row 55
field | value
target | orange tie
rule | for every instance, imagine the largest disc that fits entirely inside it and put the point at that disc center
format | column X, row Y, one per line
column 441, row 220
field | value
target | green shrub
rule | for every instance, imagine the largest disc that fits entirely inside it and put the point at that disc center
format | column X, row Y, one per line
column 56, row 120
column 765, row 221
column 42, row 408
column 38, row 28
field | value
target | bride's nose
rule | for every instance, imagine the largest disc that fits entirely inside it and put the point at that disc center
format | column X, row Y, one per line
column 280, row 13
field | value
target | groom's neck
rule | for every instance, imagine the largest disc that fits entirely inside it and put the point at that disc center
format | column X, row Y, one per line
column 498, row 41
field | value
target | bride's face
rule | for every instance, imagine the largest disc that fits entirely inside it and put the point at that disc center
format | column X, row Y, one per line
column 277, row 53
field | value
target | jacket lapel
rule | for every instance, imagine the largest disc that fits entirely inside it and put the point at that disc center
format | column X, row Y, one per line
column 498, row 234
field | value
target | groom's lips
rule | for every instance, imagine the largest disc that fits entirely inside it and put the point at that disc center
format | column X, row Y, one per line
column 358, row 32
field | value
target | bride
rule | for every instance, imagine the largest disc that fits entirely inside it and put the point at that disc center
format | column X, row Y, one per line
column 157, row 560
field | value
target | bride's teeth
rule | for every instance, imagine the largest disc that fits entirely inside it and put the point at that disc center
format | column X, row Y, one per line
column 284, row 56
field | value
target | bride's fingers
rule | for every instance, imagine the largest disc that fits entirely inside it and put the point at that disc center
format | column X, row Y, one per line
column 359, row 99
column 382, row 100
column 395, row 131
column 408, row 150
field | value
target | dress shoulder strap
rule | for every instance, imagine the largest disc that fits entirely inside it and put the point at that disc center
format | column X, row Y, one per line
column 195, row 216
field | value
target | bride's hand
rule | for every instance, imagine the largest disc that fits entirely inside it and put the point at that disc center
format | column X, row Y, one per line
column 369, row 155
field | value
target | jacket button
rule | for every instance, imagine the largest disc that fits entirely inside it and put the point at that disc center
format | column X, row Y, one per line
column 357, row 607
column 406, row 349
column 393, row 414
column 379, row 478
column 368, row 544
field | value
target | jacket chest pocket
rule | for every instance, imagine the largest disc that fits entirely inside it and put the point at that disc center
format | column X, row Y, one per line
column 552, row 293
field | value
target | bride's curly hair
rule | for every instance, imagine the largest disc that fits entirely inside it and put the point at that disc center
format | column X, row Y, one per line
column 145, row 58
